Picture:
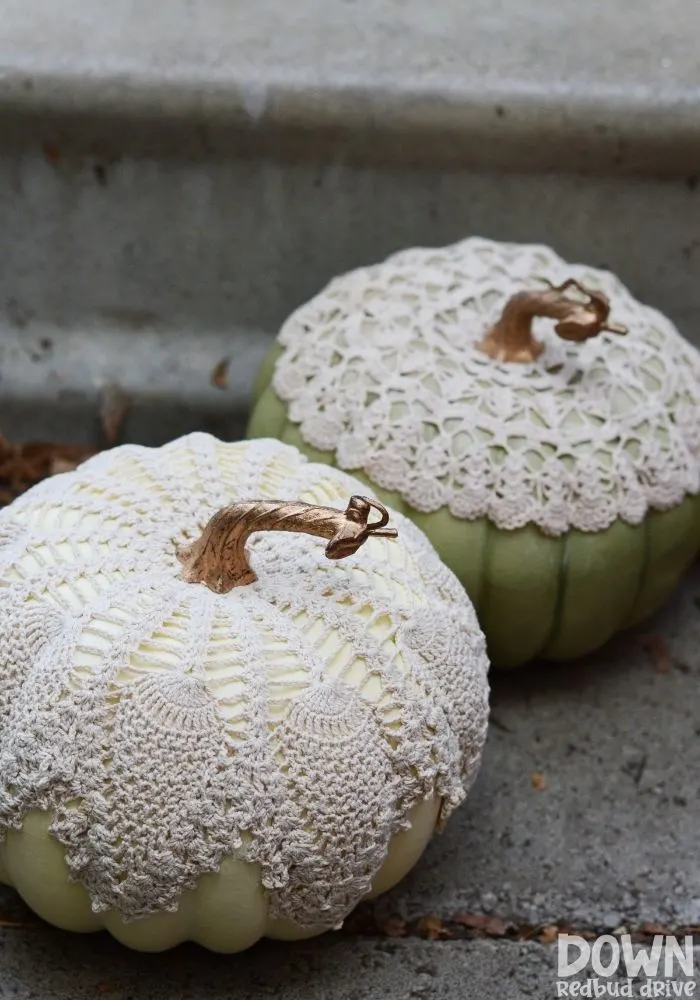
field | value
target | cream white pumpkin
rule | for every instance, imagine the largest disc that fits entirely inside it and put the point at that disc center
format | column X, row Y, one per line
column 178, row 764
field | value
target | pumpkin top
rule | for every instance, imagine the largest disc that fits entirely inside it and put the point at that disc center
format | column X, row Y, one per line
column 392, row 367
column 293, row 721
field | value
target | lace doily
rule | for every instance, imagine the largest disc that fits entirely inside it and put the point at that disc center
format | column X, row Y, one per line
column 382, row 369
column 293, row 722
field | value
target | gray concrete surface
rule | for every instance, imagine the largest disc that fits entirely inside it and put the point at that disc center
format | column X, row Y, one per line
column 607, row 85
column 149, row 271
column 44, row 965
column 171, row 188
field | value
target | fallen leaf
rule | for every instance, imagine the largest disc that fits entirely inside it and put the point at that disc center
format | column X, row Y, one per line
column 492, row 926
column 114, row 405
column 219, row 374
column 539, row 782
column 24, row 465
column 432, row 928
column 657, row 648
column 526, row 932
column 548, row 934
column 61, row 463
column 51, row 152
column 651, row 928
column 393, row 927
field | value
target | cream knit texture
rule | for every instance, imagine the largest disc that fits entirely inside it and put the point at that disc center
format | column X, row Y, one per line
column 293, row 722
column 382, row 369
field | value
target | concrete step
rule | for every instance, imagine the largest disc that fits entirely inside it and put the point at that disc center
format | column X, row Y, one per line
column 172, row 187
column 549, row 84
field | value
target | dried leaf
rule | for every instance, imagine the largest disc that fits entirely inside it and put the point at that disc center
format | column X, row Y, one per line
column 62, row 463
column 525, row 932
column 393, row 927
column 432, row 928
column 548, row 934
column 636, row 937
column 492, row 926
column 651, row 929
column 114, row 405
column 51, row 152
column 24, row 465
column 539, row 782
column 219, row 374
column 657, row 648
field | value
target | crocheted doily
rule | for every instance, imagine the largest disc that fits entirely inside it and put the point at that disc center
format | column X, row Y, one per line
column 382, row 369
column 293, row 722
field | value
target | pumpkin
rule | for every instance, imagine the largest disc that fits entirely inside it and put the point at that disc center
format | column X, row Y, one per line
column 212, row 727
column 555, row 468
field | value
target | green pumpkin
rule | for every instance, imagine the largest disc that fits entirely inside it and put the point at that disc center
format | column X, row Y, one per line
column 555, row 469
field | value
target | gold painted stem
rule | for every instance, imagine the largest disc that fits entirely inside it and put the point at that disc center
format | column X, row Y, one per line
column 218, row 557
column 512, row 339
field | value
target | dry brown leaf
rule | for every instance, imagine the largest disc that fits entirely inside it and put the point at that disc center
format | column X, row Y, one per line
column 526, row 932
column 658, row 650
column 492, row 926
column 393, row 927
column 51, row 152
column 24, row 465
column 651, row 928
column 548, row 934
column 219, row 374
column 432, row 928
column 539, row 782
column 114, row 405
column 61, row 463
column 477, row 921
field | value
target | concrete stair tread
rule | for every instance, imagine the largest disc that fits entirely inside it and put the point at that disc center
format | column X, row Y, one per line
column 550, row 83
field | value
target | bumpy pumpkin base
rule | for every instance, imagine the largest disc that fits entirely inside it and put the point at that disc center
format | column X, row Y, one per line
column 227, row 912
column 536, row 597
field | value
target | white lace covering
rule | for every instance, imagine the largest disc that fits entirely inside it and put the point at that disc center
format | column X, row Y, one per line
column 294, row 721
column 382, row 369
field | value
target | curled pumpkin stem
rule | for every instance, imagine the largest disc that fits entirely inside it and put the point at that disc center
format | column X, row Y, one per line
column 511, row 338
column 218, row 557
